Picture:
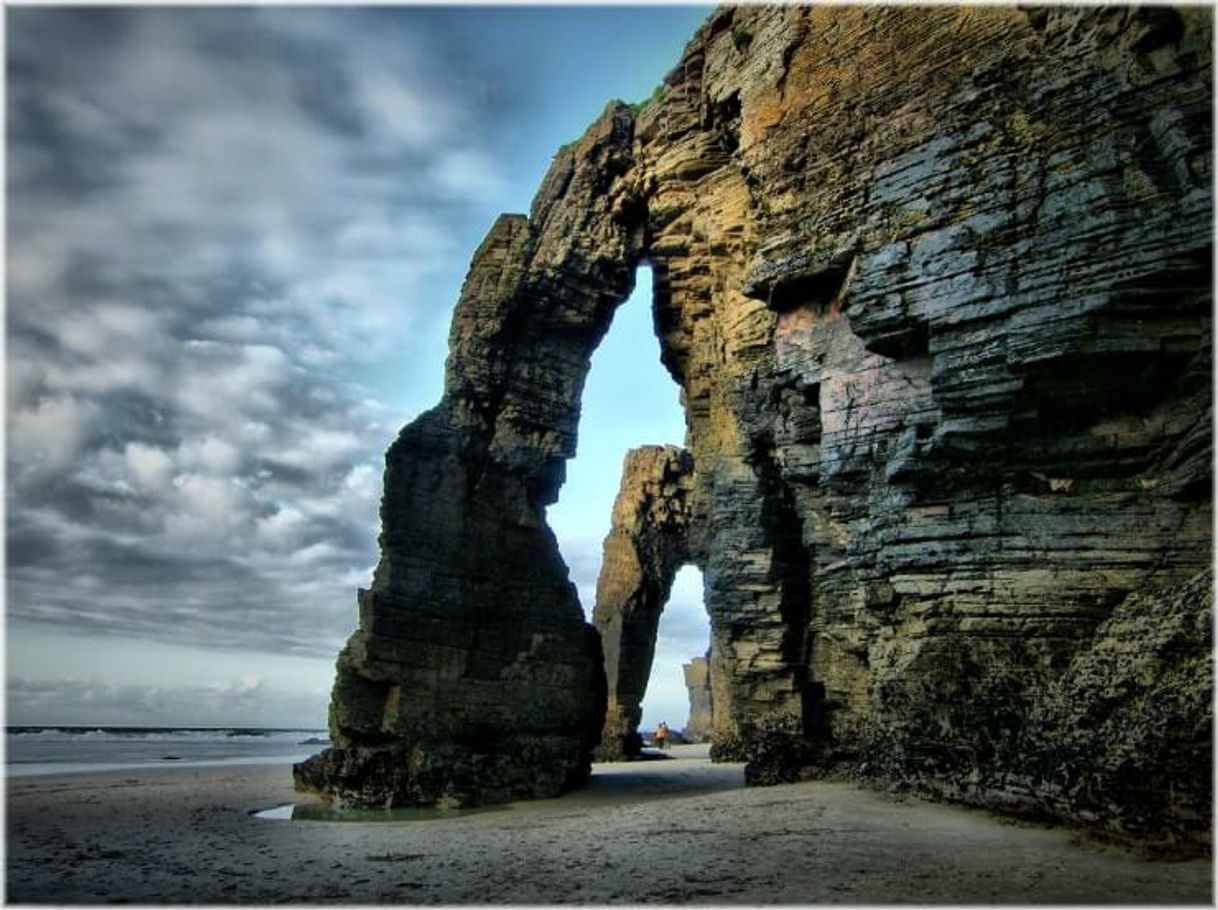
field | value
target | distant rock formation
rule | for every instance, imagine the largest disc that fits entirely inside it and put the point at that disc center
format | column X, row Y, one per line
column 647, row 543
column 936, row 285
column 701, row 709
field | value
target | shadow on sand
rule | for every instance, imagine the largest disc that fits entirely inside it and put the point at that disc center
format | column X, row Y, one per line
column 684, row 771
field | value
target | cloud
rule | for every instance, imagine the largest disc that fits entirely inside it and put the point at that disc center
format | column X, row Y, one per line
column 47, row 433
column 684, row 625
column 246, row 701
column 151, row 467
column 218, row 221
column 583, row 558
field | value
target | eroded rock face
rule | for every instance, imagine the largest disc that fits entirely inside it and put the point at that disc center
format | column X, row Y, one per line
column 648, row 542
column 937, row 287
column 1116, row 739
column 473, row 677
column 936, row 284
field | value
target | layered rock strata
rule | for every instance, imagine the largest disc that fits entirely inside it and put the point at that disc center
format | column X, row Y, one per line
column 1119, row 738
column 647, row 543
column 938, row 289
column 936, row 285
column 473, row 677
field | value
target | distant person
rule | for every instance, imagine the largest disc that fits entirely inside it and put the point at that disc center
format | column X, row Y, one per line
column 662, row 735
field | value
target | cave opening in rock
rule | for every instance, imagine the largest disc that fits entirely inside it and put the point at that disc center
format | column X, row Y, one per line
column 629, row 400
column 631, row 429
column 682, row 642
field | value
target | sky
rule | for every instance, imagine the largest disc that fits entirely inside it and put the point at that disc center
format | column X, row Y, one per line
column 235, row 239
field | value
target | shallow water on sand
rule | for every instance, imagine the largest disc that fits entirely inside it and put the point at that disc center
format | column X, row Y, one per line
column 315, row 812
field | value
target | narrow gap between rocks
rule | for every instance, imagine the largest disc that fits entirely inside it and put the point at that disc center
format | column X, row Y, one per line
column 629, row 400
column 684, row 634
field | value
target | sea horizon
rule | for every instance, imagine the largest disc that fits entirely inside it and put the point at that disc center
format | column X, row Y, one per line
column 39, row 749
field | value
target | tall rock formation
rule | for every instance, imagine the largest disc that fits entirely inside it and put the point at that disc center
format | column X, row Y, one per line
column 701, row 704
column 473, row 677
column 648, row 542
column 936, row 284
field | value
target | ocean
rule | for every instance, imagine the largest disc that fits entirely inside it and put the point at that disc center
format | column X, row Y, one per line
column 33, row 750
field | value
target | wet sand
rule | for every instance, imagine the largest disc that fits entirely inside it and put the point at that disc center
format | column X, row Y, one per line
column 677, row 831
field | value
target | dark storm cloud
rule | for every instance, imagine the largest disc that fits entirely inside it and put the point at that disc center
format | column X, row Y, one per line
column 215, row 218
column 28, row 545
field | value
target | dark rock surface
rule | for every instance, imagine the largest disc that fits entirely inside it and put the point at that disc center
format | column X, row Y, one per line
column 473, row 677
column 1118, row 741
column 936, row 284
column 1120, row 738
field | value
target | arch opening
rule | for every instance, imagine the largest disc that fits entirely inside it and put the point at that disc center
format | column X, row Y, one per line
column 622, row 518
column 678, row 686
column 629, row 400
column 446, row 691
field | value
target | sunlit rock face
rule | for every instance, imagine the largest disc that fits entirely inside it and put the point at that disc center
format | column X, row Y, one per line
column 936, row 285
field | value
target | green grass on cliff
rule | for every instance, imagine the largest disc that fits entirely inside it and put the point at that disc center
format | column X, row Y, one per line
column 636, row 108
column 656, row 97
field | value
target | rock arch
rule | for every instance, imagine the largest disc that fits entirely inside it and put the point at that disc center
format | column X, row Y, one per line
column 472, row 677
column 646, row 545
column 937, row 288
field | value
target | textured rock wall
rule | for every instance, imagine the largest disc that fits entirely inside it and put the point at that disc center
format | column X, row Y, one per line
column 936, row 284
column 647, row 543
column 1120, row 739
column 939, row 292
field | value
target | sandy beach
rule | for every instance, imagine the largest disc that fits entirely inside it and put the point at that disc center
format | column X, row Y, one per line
column 681, row 830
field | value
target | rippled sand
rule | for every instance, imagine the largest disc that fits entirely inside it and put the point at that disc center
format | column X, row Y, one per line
column 681, row 830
